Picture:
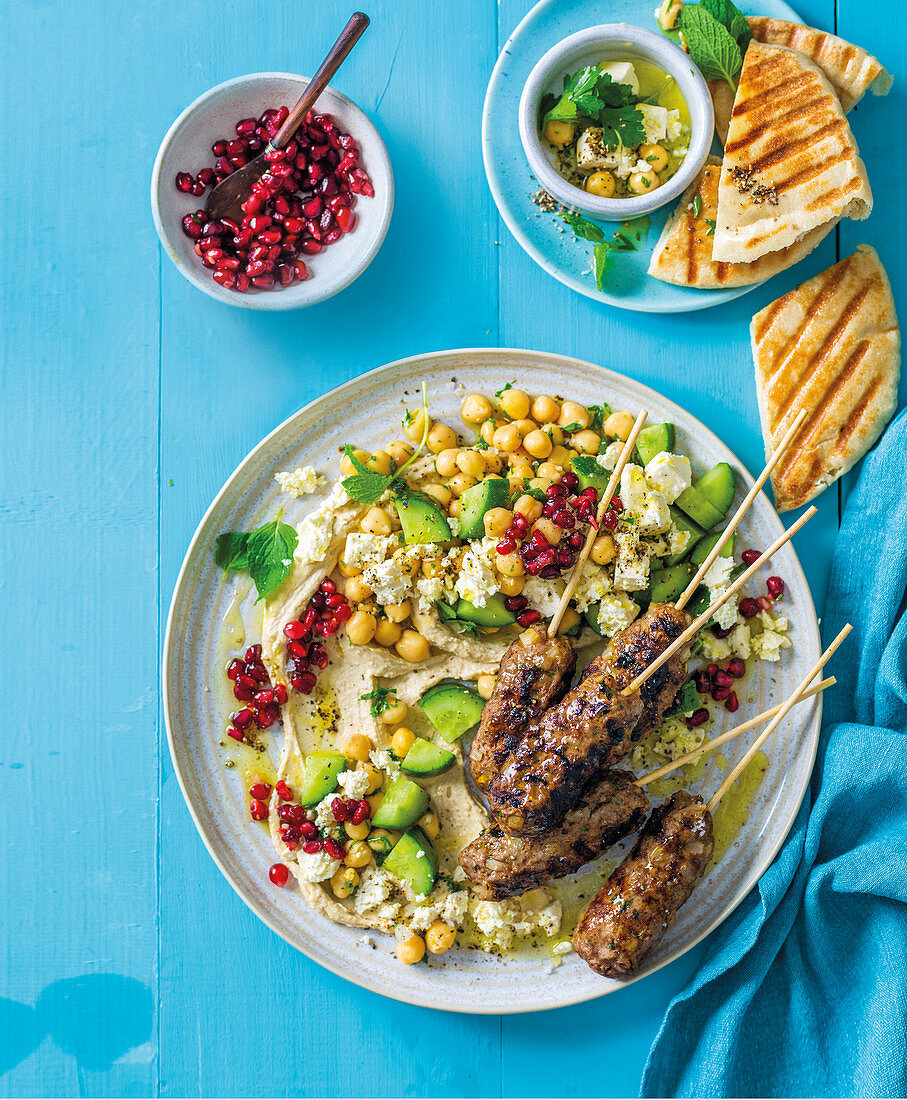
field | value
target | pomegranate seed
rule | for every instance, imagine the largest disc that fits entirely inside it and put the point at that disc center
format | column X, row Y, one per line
column 732, row 702
column 265, row 718
column 280, row 693
column 260, row 790
column 721, row 631
column 312, row 846
column 697, row 718
column 219, row 148
column 520, row 524
column 283, row 791
column 294, row 630
column 242, row 719
column 609, row 520
column 591, row 494
column 279, row 874
column 736, row 666
column 515, row 603
column 749, row 556
column 234, row 668
column 344, row 614
column 564, row 520
column 346, row 219
column 308, row 830
column 506, row 546
column 333, row 849
column 551, row 509
column 576, row 540
column 528, row 617
column 766, row 603
column 362, row 812
column 183, row 182
column 258, row 810
column 304, row 682
column 723, row 679
column 253, row 654
column 775, row 587
column 246, row 126
column 538, row 541
column 263, row 698
column 566, row 558
column 703, row 683
column 291, row 814
column 748, row 607
column 719, row 694
column 546, row 558
column 237, row 735
column 616, row 504
column 338, row 809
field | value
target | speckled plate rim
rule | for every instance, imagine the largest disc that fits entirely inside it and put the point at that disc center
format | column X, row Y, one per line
column 677, row 299
column 200, row 544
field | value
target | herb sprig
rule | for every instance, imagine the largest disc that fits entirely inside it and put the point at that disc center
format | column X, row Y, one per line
column 594, row 95
column 716, row 34
column 627, row 239
column 379, row 702
column 368, row 487
column 266, row 553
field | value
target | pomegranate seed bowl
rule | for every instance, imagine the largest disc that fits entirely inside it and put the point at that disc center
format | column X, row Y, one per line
column 312, row 224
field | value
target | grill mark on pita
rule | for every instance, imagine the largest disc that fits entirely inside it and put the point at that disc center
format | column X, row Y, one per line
column 768, row 315
column 770, row 95
column 787, row 151
column 772, row 124
column 860, row 409
column 830, row 197
column 824, row 352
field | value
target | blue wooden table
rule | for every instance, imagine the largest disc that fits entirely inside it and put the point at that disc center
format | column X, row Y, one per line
column 129, row 966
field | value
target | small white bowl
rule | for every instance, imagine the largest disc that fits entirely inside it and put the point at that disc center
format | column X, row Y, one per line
column 614, row 41
column 187, row 147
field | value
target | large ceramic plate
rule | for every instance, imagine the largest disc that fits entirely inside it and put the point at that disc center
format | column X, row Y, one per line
column 367, row 411
column 542, row 235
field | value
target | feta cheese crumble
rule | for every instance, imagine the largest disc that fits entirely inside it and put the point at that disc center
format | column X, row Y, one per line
column 669, row 475
column 615, row 612
column 317, row 866
column 477, row 579
column 354, row 784
column 299, row 482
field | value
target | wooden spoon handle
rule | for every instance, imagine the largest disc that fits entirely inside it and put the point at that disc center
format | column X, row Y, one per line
column 349, row 36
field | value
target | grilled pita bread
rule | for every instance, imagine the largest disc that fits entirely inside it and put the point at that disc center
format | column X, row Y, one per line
column 831, row 346
column 790, row 163
column 851, row 71
column 683, row 254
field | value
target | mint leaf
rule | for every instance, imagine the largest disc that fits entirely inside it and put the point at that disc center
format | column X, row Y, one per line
column 270, row 550
column 600, row 259
column 711, row 45
column 583, row 228
column 600, row 414
column 732, row 18
column 586, row 466
column 365, row 485
column 635, row 230
column 448, row 616
column 231, row 551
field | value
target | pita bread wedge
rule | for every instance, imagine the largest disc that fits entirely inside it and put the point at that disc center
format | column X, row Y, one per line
column 683, row 254
column 831, row 346
column 790, row 163
column 851, row 71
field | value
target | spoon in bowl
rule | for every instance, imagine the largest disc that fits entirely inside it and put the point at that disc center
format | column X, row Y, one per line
column 226, row 200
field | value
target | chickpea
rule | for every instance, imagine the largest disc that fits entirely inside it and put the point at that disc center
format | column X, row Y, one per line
column 402, row 741
column 441, row 494
column 357, row 747
column 346, row 463
column 356, row 832
column 485, row 685
column 545, row 408
column 511, row 586
column 387, row 633
column 344, row 881
column 446, row 462
column 413, row 647
column 667, row 14
column 507, row 438
column 359, row 854
column 380, row 462
column 522, row 468
column 509, row 565
column 471, row 463
column 528, row 507
column 603, row 550
column 493, row 463
column 429, row 824
column 619, row 424
column 441, row 936
column 382, row 840
column 551, row 531
column 496, row 521
column 375, row 776
column 348, row 570
column 640, row 183
column 409, row 566
column 526, row 425
column 374, row 801
column 376, row 521
column 475, row 408
column 559, row 133
column 655, row 155
column 489, row 427
column 357, row 590
column 397, row 612
column 410, row 951
column 573, row 413
column 432, row 567
column 515, row 403
column 569, row 621
column 550, row 471
column 601, row 184
column 400, row 451
column 441, row 438
column 554, row 432
column 587, row 442
column 395, row 713
column 560, row 456
column 543, row 484
column 459, row 483
column 453, row 509
column 414, row 425
column 538, row 444
column 361, row 627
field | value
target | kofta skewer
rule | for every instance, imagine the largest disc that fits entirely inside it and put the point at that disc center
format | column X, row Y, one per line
column 613, row 807
column 640, row 900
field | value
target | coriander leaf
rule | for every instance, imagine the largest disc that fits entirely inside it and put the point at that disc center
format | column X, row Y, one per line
column 613, row 94
column 378, row 697
column 504, row 389
column 231, row 551
column 365, row 486
column 600, row 414
column 711, row 45
column 622, row 126
column 549, row 99
column 271, row 555
column 577, row 86
column 574, row 427
column 600, row 257
column 732, row 18
column 583, row 228
column 697, row 205
column 711, row 223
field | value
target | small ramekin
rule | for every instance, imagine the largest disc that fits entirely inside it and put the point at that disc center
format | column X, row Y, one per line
column 614, row 41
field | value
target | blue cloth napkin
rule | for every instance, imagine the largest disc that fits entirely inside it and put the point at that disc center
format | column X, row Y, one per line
column 803, row 991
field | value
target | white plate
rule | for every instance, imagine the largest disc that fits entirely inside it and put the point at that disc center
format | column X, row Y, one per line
column 366, row 411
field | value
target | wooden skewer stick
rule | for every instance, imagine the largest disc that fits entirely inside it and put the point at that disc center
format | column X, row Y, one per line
column 694, row 754
column 682, row 640
column 603, row 505
column 742, row 510
column 777, row 720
